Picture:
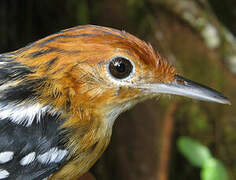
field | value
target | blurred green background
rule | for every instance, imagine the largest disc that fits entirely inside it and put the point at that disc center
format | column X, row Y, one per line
column 197, row 36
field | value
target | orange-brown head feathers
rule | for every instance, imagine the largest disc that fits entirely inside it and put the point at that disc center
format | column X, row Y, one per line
column 91, row 74
column 75, row 63
column 83, row 78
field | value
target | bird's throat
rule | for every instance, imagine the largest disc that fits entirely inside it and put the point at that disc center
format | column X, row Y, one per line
column 86, row 143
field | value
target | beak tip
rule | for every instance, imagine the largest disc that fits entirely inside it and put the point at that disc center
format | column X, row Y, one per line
column 223, row 100
column 226, row 101
column 201, row 92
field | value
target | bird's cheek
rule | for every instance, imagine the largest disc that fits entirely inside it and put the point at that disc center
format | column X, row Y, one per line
column 127, row 94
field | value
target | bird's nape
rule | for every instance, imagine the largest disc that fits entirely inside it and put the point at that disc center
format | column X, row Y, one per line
column 60, row 96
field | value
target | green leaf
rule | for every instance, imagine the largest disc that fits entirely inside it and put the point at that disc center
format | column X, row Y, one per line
column 196, row 153
column 213, row 169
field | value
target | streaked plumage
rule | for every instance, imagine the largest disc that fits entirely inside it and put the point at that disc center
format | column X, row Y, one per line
column 58, row 100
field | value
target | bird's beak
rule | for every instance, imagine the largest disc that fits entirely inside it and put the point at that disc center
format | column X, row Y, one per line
column 184, row 87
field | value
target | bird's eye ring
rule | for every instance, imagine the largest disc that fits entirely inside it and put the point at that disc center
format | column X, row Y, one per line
column 120, row 67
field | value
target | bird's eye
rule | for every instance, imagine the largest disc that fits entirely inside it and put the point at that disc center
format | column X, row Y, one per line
column 120, row 67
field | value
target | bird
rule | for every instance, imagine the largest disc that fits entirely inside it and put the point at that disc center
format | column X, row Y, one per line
column 60, row 96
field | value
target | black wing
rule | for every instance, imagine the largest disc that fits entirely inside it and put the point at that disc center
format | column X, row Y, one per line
column 31, row 142
column 31, row 152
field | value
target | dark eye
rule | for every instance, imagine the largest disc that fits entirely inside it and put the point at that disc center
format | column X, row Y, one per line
column 120, row 67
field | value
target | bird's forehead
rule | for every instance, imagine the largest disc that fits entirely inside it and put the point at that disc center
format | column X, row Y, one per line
column 102, row 43
column 91, row 44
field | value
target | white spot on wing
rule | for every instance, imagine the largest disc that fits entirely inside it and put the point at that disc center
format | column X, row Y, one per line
column 8, row 84
column 2, row 63
column 54, row 155
column 6, row 156
column 4, row 174
column 28, row 159
column 23, row 114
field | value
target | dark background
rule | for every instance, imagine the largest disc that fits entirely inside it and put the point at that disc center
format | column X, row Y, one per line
column 143, row 145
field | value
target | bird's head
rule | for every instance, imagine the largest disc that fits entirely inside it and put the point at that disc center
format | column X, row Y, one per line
column 80, row 80
column 104, row 71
